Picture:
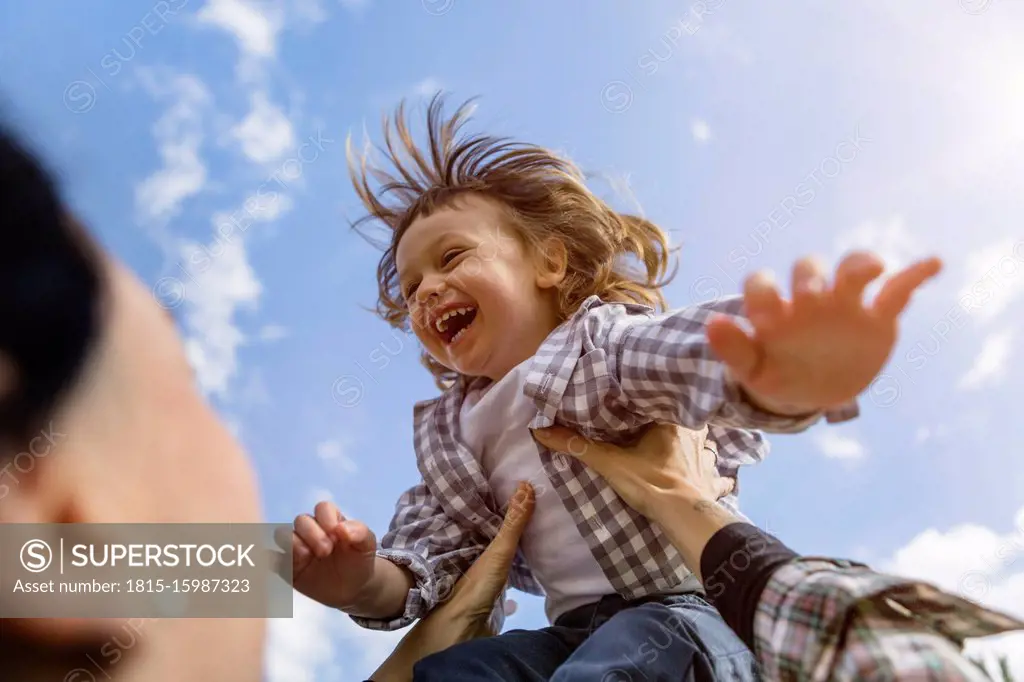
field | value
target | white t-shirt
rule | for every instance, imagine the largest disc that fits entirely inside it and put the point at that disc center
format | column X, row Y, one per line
column 494, row 426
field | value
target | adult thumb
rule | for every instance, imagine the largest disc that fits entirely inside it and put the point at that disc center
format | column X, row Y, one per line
column 496, row 560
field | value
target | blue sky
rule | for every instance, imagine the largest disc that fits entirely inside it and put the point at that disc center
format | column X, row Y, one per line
column 204, row 142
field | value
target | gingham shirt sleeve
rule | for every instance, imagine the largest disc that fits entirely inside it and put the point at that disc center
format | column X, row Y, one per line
column 666, row 370
column 436, row 550
column 824, row 619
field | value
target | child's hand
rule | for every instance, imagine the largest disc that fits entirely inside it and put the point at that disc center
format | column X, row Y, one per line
column 332, row 557
column 823, row 348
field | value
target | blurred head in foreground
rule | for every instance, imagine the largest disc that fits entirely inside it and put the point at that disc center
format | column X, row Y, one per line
column 100, row 422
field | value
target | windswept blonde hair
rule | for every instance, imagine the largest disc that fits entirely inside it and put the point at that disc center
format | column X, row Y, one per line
column 543, row 194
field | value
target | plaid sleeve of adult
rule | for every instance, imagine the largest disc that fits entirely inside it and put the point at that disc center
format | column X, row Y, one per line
column 666, row 370
column 437, row 551
column 826, row 619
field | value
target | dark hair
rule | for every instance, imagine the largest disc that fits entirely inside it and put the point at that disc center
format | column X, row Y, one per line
column 50, row 293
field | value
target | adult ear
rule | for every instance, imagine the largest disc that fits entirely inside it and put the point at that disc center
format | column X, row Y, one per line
column 552, row 262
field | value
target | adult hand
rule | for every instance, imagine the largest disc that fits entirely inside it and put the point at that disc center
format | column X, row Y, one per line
column 669, row 476
column 667, row 459
column 466, row 614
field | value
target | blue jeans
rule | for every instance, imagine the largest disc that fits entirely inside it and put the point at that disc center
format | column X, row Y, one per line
column 677, row 638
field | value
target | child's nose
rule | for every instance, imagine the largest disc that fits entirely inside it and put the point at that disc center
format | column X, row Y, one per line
column 431, row 289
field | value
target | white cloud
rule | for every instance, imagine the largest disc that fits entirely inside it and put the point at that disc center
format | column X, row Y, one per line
column 254, row 26
column 365, row 649
column 273, row 332
column 700, row 130
column 891, row 240
column 333, row 454
column 990, row 365
column 263, row 206
column 301, row 648
column 179, row 136
column 837, row 446
column 214, row 295
column 976, row 563
column 265, row 134
column 995, row 277
column 309, row 646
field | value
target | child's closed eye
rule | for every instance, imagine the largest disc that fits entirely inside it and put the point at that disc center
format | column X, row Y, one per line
column 450, row 255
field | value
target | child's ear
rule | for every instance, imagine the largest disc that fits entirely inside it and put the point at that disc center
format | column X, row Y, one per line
column 552, row 262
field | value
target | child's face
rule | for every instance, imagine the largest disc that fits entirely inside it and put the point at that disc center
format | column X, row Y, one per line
column 479, row 302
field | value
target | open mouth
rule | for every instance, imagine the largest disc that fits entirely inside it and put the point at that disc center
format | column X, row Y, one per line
column 454, row 323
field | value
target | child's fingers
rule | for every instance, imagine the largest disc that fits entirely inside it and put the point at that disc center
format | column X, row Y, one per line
column 896, row 293
column 357, row 536
column 735, row 348
column 810, row 284
column 762, row 300
column 310, row 532
column 854, row 274
column 328, row 516
column 302, row 555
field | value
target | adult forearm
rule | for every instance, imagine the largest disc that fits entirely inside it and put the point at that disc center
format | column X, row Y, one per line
column 689, row 520
column 733, row 559
column 385, row 595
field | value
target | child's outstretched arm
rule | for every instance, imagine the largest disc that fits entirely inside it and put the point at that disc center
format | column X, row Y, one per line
column 334, row 562
column 803, row 358
column 431, row 549
column 824, row 347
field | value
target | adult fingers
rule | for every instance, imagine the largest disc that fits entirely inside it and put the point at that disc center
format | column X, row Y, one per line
column 562, row 439
column 724, row 486
column 489, row 572
column 520, row 510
